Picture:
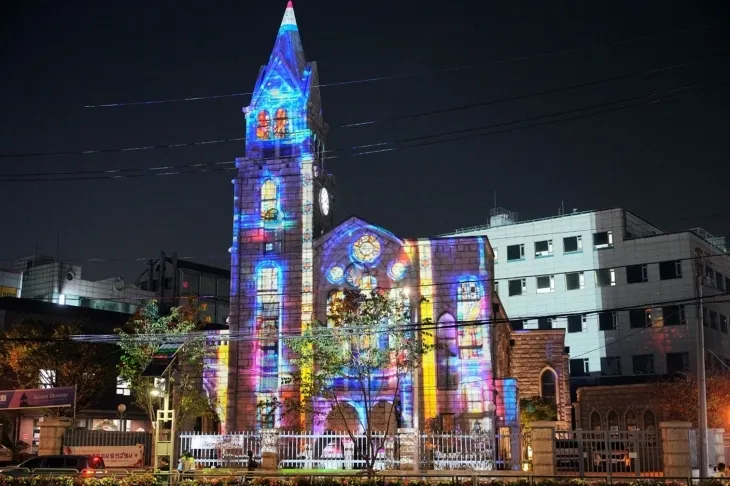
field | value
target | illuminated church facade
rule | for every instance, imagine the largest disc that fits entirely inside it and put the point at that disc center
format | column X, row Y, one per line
column 288, row 259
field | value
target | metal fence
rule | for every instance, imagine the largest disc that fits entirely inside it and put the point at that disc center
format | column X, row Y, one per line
column 229, row 450
column 476, row 451
column 103, row 438
column 336, row 450
column 608, row 452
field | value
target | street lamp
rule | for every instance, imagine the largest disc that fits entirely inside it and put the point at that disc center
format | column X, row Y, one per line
column 121, row 408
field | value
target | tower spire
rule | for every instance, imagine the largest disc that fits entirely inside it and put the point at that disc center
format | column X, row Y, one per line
column 289, row 22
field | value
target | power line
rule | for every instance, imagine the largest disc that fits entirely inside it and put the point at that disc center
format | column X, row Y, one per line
column 173, row 170
column 365, row 122
column 415, row 74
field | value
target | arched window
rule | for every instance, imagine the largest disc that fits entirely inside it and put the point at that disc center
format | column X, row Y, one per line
column 649, row 421
column 263, row 125
column 447, row 354
column 469, row 300
column 612, row 420
column 281, row 123
column 547, row 385
column 631, row 421
column 268, row 311
column 595, row 421
column 269, row 200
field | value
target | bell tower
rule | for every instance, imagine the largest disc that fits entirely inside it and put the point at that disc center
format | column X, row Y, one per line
column 281, row 204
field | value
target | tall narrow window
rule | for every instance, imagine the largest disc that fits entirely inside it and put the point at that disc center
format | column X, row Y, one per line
column 268, row 312
column 631, row 421
column 612, row 420
column 447, row 354
column 649, row 421
column 263, row 125
column 469, row 312
column 547, row 385
column 269, row 200
column 595, row 421
column 281, row 123
column 474, row 398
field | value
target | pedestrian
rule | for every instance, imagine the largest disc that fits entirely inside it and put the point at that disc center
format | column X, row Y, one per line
column 251, row 465
column 720, row 470
column 186, row 465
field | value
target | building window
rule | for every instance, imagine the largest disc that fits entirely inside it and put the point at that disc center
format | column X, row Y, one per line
column 447, row 354
column 607, row 321
column 611, row 366
column 572, row 244
column 605, row 277
column 545, row 323
column 496, row 254
column 515, row 252
column 474, row 398
column 190, row 283
column 469, row 299
column 47, row 378
column 649, row 421
column 720, row 279
column 547, row 385
column 713, row 319
column 673, row 315
column 670, row 269
column 263, row 125
column 723, row 323
column 543, row 248
column 517, row 287
column 677, row 362
column 496, row 287
column 595, row 421
column 639, row 318
column 574, row 281
column 579, row 367
column 632, row 423
column 643, row 364
column 281, row 123
column 577, row 323
column 546, row 284
column 272, row 242
column 612, row 420
column 636, row 274
column 603, row 239
column 269, row 200
column 123, row 387
column 517, row 325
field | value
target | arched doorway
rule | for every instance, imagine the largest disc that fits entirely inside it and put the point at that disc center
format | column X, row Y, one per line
column 343, row 418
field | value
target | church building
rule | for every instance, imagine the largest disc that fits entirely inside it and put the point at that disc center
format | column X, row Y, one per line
column 288, row 259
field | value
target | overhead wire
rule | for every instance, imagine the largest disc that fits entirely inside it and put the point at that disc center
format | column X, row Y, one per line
column 417, row 73
column 113, row 173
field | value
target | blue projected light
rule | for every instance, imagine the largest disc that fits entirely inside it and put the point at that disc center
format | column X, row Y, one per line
column 397, row 270
column 336, row 274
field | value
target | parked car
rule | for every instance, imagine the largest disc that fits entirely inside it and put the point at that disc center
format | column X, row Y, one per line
column 85, row 465
column 6, row 455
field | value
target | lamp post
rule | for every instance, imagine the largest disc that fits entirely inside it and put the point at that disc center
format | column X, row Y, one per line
column 121, row 408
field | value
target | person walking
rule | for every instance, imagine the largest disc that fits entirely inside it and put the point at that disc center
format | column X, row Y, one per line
column 251, row 465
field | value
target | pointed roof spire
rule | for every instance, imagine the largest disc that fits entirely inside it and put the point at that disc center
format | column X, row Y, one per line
column 289, row 22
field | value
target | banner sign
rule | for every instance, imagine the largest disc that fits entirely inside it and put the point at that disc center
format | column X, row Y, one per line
column 113, row 456
column 37, row 398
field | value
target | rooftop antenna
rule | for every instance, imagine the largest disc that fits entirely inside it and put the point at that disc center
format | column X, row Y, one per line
column 562, row 206
column 495, row 199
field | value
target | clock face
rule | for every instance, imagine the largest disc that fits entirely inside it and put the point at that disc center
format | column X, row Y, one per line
column 324, row 201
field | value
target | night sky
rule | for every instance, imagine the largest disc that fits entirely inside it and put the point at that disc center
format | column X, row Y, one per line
column 668, row 161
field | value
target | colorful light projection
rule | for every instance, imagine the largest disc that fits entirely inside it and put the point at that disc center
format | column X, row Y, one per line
column 429, row 359
column 366, row 249
column 268, row 330
column 307, row 258
column 215, row 376
column 469, row 312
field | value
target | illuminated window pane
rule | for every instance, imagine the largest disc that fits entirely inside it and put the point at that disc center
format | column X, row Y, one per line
column 474, row 399
column 268, row 280
column 353, row 275
column 263, row 125
column 269, row 195
column 268, row 334
column 469, row 310
column 366, row 249
column 281, row 123
column 47, row 378
column 123, row 387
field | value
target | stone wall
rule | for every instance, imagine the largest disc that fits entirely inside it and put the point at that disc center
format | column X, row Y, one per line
column 619, row 401
column 535, row 352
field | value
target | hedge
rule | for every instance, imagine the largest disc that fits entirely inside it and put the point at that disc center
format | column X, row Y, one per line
column 237, row 480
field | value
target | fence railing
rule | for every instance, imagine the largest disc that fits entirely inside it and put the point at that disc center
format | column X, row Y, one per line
column 229, row 450
column 477, row 451
column 336, row 450
column 635, row 453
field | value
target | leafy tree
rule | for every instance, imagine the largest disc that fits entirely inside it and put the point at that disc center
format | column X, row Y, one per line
column 38, row 354
column 143, row 335
column 536, row 408
column 367, row 339
column 678, row 396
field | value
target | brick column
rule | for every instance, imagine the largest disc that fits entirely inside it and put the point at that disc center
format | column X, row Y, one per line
column 676, row 451
column 543, row 448
column 269, row 449
column 51, row 440
column 408, row 439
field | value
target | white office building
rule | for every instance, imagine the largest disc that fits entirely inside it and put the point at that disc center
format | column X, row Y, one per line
column 624, row 290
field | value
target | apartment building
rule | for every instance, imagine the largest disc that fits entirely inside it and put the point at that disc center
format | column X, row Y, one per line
column 624, row 290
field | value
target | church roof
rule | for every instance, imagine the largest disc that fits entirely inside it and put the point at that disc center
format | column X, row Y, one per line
column 288, row 46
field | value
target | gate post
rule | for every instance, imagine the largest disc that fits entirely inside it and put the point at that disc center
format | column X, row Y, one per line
column 675, row 449
column 543, row 448
column 51, row 440
column 269, row 449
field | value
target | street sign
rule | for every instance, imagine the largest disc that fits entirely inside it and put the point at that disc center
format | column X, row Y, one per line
column 37, row 398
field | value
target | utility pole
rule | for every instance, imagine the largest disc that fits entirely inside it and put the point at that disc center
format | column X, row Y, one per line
column 701, row 380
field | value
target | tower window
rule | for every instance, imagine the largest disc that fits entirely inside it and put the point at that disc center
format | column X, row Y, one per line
column 269, row 200
column 281, row 123
column 263, row 125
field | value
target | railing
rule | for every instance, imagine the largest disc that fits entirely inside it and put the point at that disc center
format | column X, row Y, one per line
column 476, row 451
column 335, row 451
column 229, row 450
column 624, row 453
